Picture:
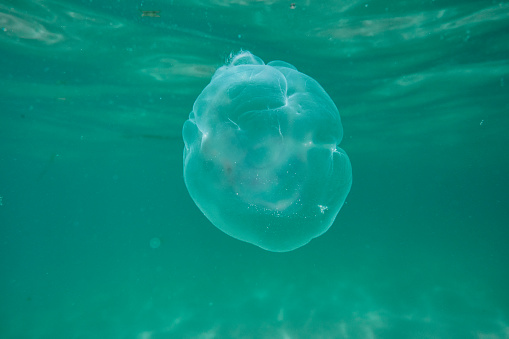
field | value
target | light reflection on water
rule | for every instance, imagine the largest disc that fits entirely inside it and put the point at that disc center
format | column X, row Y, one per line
column 102, row 239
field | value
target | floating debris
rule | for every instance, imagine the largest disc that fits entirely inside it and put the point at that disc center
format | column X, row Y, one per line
column 152, row 14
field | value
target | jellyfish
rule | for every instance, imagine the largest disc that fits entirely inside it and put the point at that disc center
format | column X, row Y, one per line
column 261, row 157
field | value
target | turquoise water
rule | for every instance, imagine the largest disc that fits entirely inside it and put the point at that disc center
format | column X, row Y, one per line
column 100, row 239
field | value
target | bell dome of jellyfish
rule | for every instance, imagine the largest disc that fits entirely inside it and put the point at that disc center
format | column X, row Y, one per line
column 261, row 155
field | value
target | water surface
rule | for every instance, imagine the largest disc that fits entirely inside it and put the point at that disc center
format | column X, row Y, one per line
column 100, row 239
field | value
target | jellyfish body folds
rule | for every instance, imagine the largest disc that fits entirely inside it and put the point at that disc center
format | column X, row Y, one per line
column 261, row 154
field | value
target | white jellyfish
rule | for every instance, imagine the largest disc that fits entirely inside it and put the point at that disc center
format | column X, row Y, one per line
column 261, row 155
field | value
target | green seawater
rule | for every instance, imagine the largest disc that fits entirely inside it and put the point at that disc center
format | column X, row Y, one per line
column 99, row 237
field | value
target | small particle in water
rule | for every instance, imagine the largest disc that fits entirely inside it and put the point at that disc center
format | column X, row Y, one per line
column 155, row 242
column 482, row 121
column 293, row 5
column 1, row 204
column 152, row 14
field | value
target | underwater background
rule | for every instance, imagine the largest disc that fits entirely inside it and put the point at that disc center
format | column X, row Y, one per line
column 99, row 237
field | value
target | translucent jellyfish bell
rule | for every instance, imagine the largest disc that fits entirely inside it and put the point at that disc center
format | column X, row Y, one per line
column 261, row 155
